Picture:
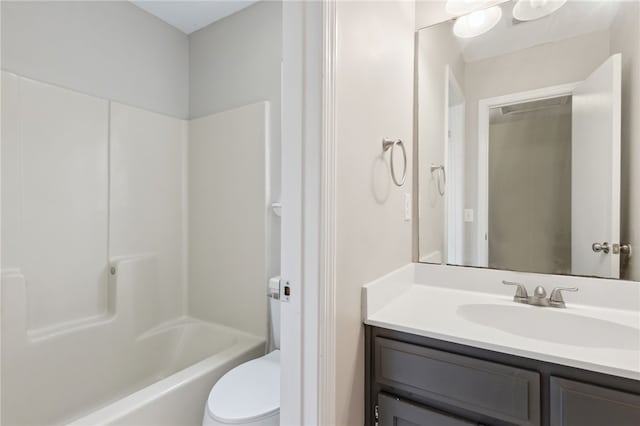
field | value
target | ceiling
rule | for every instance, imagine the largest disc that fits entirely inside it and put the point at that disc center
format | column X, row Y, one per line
column 188, row 15
column 572, row 19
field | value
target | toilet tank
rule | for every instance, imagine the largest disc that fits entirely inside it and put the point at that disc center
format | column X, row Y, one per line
column 274, row 311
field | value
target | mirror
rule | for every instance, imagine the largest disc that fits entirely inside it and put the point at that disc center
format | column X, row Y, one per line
column 526, row 142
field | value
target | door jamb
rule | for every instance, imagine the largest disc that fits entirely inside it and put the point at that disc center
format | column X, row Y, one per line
column 484, row 106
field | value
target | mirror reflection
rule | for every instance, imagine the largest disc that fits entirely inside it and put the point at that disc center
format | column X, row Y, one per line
column 526, row 139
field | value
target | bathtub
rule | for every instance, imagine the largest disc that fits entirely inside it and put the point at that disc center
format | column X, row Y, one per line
column 175, row 391
column 131, row 366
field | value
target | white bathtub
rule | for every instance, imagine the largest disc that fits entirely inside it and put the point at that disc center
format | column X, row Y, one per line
column 131, row 366
column 199, row 353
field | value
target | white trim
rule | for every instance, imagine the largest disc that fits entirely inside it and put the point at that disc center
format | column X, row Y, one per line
column 454, row 188
column 311, row 214
column 291, row 248
column 484, row 105
column 327, row 307
column 307, row 327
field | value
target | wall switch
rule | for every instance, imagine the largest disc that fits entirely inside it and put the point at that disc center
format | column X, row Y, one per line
column 407, row 207
column 468, row 215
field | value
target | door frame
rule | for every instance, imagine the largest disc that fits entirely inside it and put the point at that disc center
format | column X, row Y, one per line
column 308, row 214
column 484, row 107
column 454, row 192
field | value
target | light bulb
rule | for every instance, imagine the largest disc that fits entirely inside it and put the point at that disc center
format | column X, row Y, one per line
column 477, row 23
column 530, row 10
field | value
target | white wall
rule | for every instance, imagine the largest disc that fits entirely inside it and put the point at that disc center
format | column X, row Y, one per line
column 437, row 48
column 110, row 49
column 625, row 39
column 573, row 60
column 54, row 209
column 226, row 75
column 374, row 99
column 228, row 210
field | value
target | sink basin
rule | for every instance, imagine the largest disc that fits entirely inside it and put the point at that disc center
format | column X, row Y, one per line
column 553, row 325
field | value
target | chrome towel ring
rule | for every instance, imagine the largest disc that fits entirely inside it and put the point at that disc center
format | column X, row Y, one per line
column 390, row 144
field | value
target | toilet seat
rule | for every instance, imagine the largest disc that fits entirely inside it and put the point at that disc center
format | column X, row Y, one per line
column 247, row 393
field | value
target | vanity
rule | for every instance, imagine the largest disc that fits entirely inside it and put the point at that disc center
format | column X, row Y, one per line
column 448, row 346
column 525, row 151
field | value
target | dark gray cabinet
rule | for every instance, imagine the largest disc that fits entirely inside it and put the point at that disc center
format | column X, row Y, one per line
column 495, row 390
column 580, row 404
column 395, row 412
column 414, row 380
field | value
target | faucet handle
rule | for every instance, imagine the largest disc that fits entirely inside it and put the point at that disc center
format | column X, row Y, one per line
column 521, row 291
column 556, row 300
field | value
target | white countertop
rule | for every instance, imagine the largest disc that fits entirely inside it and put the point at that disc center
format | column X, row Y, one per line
column 605, row 338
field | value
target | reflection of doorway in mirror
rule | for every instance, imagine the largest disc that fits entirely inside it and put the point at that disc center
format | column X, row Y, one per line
column 559, row 192
column 529, row 199
column 454, row 167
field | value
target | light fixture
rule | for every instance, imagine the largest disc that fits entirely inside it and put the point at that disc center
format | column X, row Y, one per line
column 478, row 22
column 530, row 10
column 462, row 7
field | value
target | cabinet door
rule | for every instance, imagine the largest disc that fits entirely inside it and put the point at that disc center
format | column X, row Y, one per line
column 395, row 412
column 579, row 404
column 501, row 392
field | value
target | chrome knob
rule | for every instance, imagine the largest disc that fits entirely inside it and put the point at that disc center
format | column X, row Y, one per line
column 540, row 292
column 597, row 247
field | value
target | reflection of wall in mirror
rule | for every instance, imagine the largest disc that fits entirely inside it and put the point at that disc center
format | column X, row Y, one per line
column 438, row 48
column 625, row 39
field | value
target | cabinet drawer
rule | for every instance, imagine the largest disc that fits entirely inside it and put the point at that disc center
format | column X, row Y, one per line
column 395, row 412
column 495, row 390
column 580, row 404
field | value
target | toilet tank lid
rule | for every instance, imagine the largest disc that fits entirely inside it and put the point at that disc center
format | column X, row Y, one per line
column 248, row 392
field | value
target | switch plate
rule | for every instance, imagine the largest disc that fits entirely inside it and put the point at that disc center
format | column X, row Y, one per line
column 407, row 207
column 468, row 215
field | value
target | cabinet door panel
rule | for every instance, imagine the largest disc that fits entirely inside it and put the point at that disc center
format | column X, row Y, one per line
column 395, row 412
column 494, row 390
column 580, row 404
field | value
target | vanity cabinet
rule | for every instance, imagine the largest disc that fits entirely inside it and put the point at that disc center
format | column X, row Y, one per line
column 414, row 380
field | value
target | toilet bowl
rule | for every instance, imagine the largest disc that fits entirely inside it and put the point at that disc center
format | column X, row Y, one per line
column 249, row 395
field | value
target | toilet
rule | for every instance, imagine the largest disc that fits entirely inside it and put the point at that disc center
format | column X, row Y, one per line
column 249, row 395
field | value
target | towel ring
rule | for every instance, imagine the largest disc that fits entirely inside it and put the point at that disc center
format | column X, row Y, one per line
column 390, row 144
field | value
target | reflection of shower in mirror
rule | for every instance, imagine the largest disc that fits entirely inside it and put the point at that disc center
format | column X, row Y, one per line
column 441, row 177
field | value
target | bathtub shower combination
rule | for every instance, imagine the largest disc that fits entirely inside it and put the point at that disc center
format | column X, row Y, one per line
column 120, row 275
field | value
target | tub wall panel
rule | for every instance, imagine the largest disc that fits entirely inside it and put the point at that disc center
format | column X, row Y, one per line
column 147, row 201
column 57, row 178
column 228, row 210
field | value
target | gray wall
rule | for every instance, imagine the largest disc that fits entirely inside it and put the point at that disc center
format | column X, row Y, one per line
column 113, row 50
column 373, row 99
column 226, row 75
column 625, row 39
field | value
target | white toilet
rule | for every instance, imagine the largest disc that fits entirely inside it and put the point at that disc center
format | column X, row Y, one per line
column 249, row 394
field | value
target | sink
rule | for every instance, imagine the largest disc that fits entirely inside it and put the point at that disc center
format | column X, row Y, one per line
column 553, row 325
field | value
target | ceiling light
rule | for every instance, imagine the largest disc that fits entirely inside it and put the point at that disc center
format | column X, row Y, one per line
column 477, row 23
column 530, row 10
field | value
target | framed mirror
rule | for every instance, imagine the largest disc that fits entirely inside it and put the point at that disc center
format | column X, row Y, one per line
column 528, row 134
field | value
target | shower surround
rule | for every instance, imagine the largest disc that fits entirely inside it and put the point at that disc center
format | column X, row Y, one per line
column 104, row 208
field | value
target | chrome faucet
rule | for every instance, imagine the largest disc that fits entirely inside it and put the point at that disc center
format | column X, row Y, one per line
column 539, row 297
